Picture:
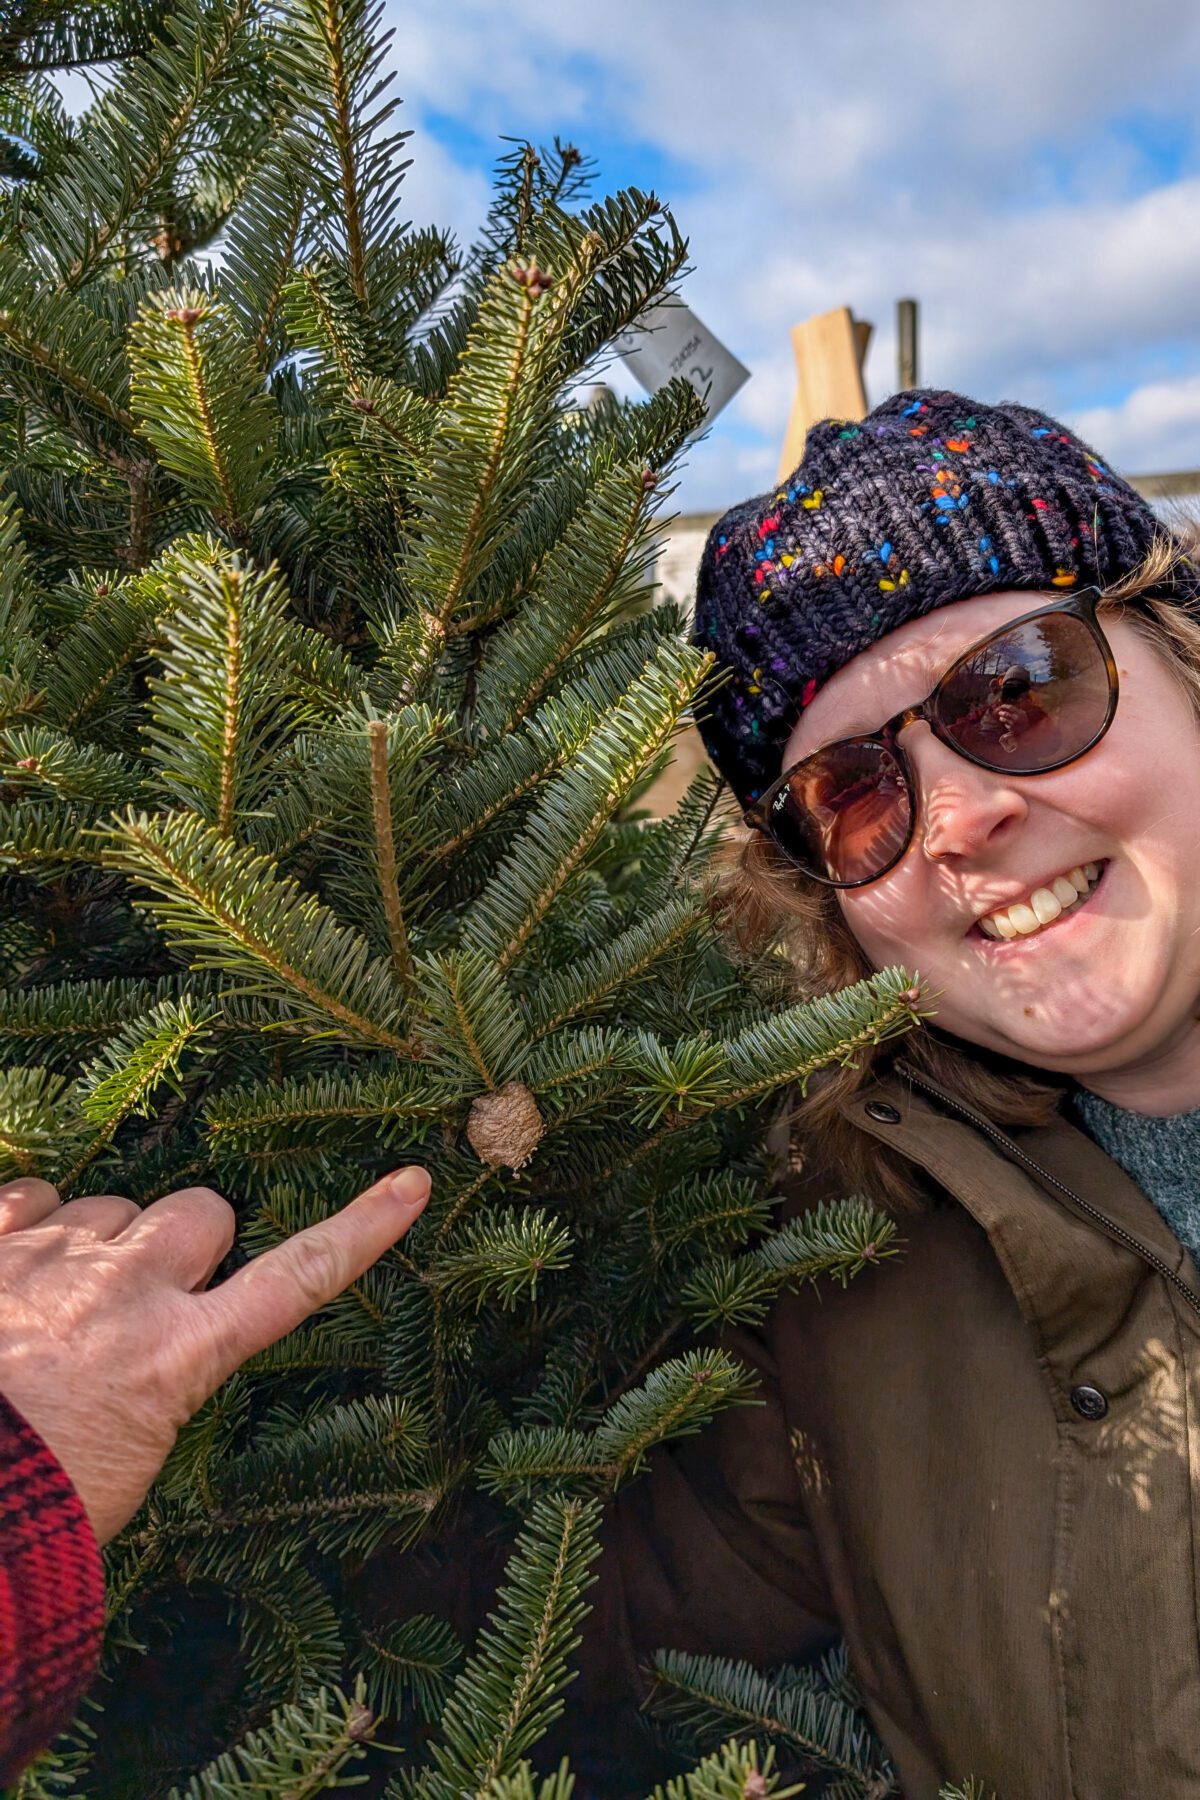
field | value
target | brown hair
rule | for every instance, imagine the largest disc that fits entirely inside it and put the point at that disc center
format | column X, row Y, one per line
column 768, row 903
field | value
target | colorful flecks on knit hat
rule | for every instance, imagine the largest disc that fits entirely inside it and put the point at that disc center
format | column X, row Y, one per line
column 931, row 498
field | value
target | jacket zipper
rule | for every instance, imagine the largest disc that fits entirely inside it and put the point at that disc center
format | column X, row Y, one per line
column 1013, row 1150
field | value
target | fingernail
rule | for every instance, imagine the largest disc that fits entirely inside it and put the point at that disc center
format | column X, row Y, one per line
column 410, row 1186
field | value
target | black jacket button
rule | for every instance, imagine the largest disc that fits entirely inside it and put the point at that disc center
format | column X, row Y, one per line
column 1089, row 1402
column 881, row 1111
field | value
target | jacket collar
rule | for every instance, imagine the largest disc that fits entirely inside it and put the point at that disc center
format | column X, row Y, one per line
column 995, row 1174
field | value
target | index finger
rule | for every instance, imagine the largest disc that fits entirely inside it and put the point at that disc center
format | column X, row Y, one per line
column 270, row 1296
column 25, row 1202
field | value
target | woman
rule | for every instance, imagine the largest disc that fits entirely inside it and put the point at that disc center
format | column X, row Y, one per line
column 961, row 711
column 975, row 1465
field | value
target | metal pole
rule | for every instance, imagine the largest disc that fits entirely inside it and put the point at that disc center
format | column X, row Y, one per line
column 906, row 342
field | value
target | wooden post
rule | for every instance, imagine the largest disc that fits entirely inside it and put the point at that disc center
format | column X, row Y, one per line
column 906, row 344
column 829, row 350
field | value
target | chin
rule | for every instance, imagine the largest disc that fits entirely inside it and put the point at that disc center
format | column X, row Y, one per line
column 1075, row 1035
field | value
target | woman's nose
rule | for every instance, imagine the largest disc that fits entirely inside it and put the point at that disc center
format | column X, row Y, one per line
column 963, row 809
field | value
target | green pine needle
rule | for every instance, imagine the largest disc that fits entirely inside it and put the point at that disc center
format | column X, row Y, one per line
column 227, row 908
column 707, row 1696
column 735, row 1771
column 202, row 403
column 412, row 1663
column 511, row 1689
column 305, row 1749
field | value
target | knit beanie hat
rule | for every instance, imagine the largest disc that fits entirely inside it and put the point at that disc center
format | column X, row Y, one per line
column 929, row 499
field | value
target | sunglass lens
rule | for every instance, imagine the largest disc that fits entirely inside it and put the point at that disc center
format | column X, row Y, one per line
column 845, row 813
column 1031, row 698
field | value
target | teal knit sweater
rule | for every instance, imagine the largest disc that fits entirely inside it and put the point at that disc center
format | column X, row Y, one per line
column 1161, row 1155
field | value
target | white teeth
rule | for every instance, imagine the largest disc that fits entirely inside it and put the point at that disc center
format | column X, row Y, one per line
column 1044, row 905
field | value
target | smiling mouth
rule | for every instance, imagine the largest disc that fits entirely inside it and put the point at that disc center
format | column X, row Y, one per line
column 1044, row 908
column 1006, row 945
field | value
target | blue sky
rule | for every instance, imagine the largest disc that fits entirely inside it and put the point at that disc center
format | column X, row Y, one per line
column 1029, row 169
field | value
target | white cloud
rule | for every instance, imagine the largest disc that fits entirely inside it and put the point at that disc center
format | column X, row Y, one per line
column 1028, row 171
column 1155, row 427
column 440, row 191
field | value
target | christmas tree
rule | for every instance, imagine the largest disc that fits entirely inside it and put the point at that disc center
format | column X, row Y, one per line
column 330, row 680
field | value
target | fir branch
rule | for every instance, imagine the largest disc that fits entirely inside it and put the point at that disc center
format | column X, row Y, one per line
column 709, row 1696
column 69, row 1016
column 501, row 775
column 732, row 1772
column 210, row 1432
column 223, row 696
column 471, row 1024
column 113, row 631
column 450, row 546
column 522, row 1463
column 61, row 356
column 706, row 1211
column 510, row 1690
column 302, row 1751
column 614, row 969
column 263, row 243
column 124, row 1077
column 202, row 403
column 676, row 1400
column 325, row 315
column 385, row 854
column 499, row 397
column 290, row 1635
column 22, row 640
column 44, row 841
column 830, row 1028
column 578, row 803
column 414, row 1661
column 228, row 908
column 569, row 1059
column 36, row 1118
column 342, row 1482
column 595, row 569
column 365, row 791
column 334, row 53
column 34, row 757
column 288, row 1111
column 57, row 34
column 698, row 1075
column 130, row 138
column 501, row 1258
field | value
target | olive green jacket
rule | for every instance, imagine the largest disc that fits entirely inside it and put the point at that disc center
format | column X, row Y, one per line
column 978, row 1464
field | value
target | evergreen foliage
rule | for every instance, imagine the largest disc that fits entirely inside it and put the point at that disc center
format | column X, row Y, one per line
column 330, row 678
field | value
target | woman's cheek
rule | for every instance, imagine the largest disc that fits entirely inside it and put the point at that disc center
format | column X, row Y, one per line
column 888, row 921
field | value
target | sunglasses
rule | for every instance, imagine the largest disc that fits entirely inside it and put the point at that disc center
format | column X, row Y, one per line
column 1026, row 699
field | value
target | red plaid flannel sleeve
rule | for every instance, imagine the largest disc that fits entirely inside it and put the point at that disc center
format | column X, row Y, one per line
column 51, row 1595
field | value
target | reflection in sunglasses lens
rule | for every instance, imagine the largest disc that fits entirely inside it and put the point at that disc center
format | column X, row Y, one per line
column 846, row 812
column 1031, row 697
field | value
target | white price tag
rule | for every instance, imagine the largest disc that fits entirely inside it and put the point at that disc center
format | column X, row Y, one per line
column 670, row 340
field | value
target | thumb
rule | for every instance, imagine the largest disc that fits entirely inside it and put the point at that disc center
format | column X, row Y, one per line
column 281, row 1288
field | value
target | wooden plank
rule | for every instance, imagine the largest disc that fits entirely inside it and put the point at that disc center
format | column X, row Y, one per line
column 862, row 343
column 828, row 349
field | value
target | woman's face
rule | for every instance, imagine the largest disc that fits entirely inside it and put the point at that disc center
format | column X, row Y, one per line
column 1111, row 984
